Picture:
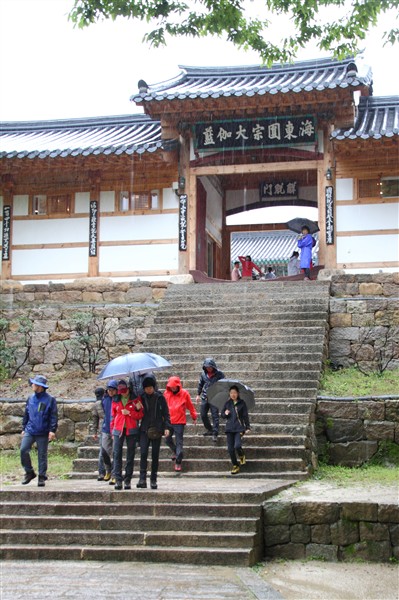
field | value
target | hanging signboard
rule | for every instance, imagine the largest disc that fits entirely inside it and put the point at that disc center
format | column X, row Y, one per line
column 93, row 228
column 256, row 133
column 271, row 189
column 5, row 253
column 329, row 194
column 183, row 222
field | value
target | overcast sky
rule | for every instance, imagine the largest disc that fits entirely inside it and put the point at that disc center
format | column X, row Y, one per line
column 50, row 70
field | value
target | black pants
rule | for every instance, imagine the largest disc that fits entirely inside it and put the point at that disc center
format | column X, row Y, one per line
column 176, row 447
column 145, row 443
column 131, row 441
column 234, row 446
column 205, row 407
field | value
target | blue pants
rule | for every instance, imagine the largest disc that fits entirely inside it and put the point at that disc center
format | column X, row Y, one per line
column 234, row 446
column 42, row 445
column 177, row 445
column 131, row 442
column 144, row 447
column 205, row 407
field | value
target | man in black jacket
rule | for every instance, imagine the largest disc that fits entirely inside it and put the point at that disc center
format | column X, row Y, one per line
column 155, row 424
column 210, row 374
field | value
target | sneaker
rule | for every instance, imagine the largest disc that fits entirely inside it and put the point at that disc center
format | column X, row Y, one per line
column 107, row 477
column 42, row 481
column 101, row 478
column 207, row 433
column 112, row 481
column 235, row 470
column 28, row 477
column 215, row 437
column 178, row 468
column 154, row 485
column 118, row 485
column 243, row 460
column 141, row 484
column 127, row 485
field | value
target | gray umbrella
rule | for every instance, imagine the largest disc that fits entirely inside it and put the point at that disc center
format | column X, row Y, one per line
column 218, row 393
column 297, row 224
column 134, row 362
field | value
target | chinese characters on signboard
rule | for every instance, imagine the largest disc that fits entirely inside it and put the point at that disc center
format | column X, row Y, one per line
column 93, row 228
column 5, row 254
column 256, row 133
column 269, row 189
column 183, row 222
column 329, row 214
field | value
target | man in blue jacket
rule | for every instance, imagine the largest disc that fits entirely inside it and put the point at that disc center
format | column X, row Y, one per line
column 39, row 425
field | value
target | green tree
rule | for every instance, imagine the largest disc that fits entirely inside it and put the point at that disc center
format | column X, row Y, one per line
column 337, row 26
column 13, row 357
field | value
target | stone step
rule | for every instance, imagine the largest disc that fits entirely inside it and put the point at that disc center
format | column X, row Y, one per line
column 238, row 362
column 273, row 314
column 272, row 335
column 214, row 451
column 176, row 555
column 209, row 464
column 224, row 322
column 121, row 538
column 283, row 475
column 130, row 523
column 158, row 509
column 293, row 350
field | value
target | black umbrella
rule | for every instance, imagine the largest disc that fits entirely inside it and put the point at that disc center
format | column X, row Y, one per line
column 218, row 393
column 297, row 224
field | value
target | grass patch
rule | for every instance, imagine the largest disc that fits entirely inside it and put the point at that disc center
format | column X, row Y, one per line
column 368, row 474
column 11, row 471
column 351, row 382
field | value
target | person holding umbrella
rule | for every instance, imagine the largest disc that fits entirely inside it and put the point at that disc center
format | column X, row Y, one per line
column 306, row 243
column 237, row 424
column 155, row 424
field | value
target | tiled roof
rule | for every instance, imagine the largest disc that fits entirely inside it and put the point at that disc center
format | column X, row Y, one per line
column 96, row 135
column 216, row 82
column 377, row 118
column 266, row 248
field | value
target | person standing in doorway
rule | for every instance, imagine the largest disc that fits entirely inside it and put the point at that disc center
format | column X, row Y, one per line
column 248, row 267
column 305, row 243
column 293, row 264
column 39, row 425
column 236, row 273
column 210, row 374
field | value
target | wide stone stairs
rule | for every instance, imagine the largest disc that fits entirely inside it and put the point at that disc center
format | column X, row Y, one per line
column 270, row 336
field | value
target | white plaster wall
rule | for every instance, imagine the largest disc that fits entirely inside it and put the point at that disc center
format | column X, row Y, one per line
column 367, row 216
column 367, row 248
column 20, row 205
column 142, row 257
column 51, row 231
column 139, row 227
column 169, row 198
column 82, row 200
column 107, row 201
column 344, row 189
column 46, row 261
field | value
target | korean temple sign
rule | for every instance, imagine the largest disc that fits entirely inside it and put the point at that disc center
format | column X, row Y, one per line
column 271, row 189
column 93, row 228
column 5, row 253
column 329, row 214
column 183, row 222
column 256, row 133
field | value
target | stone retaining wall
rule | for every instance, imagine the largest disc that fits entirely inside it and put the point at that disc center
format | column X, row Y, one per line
column 349, row 431
column 74, row 419
column 333, row 531
column 364, row 321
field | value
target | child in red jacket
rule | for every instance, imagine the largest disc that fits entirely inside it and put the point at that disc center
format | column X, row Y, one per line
column 125, row 416
column 179, row 401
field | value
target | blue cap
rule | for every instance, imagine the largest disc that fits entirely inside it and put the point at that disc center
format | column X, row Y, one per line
column 112, row 383
column 39, row 380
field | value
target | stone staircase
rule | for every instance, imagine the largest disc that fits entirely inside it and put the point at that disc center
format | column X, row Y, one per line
column 201, row 527
column 270, row 336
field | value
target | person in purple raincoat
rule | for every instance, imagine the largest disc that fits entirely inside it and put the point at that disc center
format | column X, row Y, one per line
column 305, row 243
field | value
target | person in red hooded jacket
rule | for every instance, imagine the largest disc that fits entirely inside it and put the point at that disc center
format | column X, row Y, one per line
column 179, row 401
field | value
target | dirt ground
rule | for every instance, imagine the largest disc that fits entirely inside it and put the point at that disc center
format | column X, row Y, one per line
column 64, row 385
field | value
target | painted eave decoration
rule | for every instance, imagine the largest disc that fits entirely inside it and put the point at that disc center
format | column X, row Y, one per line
column 216, row 82
column 128, row 134
column 377, row 117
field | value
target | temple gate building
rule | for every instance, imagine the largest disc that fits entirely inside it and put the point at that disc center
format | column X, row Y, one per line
column 148, row 195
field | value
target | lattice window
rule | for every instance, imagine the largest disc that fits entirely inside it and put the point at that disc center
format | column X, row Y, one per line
column 129, row 201
column 59, row 204
column 369, row 188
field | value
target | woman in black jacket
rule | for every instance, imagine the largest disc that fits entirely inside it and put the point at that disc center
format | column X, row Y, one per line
column 236, row 412
column 155, row 424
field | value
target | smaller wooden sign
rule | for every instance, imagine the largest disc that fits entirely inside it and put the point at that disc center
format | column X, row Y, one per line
column 93, row 228
column 5, row 253
column 183, row 222
column 329, row 195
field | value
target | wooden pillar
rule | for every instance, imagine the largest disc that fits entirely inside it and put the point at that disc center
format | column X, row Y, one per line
column 226, row 244
column 8, row 187
column 327, row 253
column 187, row 259
column 95, row 186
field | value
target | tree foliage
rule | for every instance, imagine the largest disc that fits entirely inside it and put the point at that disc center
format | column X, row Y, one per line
column 337, row 26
